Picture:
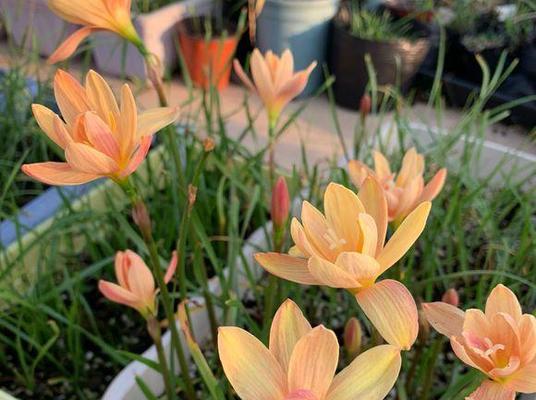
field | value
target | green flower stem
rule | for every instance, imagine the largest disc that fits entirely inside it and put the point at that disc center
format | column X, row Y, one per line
column 272, row 122
column 148, row 238
column 153, row 327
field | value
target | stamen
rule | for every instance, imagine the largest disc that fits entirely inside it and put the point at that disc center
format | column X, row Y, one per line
column 333, row 240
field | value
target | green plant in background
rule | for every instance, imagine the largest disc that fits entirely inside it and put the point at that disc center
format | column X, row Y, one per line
column 145, row 6
column 373, row 25
column 20, row 137
column 482, row 25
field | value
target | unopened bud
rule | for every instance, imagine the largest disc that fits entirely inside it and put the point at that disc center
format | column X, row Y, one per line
column 192, row 195
column 451, row 297
column 280, row 203
column 153, row 327
column 365, row 104
column 208, row 144
column 141, row 218
column 424, row 327
column 352, row 337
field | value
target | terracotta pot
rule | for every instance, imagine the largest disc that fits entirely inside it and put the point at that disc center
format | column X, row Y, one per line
column 208, row 60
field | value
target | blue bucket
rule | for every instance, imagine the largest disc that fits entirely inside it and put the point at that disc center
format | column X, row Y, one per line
column 303, row 26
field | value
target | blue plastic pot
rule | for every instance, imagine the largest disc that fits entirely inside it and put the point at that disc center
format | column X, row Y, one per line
column 303, row 26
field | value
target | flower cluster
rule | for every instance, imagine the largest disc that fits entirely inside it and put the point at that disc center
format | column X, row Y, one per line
column 347, row 246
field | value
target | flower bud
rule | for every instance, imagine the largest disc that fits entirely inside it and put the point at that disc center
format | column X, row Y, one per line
column 365, row 104
column 141, row 218
column 192, row 196
column 352, row 337
column 424, row 327
column 451, row 297
column 208, row 144
column 280, row 203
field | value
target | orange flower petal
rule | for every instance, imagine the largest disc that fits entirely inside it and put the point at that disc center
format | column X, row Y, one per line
column 313, row 362
column 85, row 158
column 490, row 390
column 117, row 294
column 369, row 233
column 360, row 266
column 262, row 78
column 70, row 96
column 69, row 46
column 128, row 121
column 318, row 232
column 358, row 173
column 121, row 266
column 139, row 155
column 432, row 188
column 300, row 239
column 100, row 136
column 404, row 237
column 524, row 381
column 101, row 98
column 141, row 281
column 466, row 355
column 370, row 376
column 287, row 267
column 381, row 166
column 172, row 267
column 342, row 208
column 502, row 299
column 409, row 167
column 284, row 70
column 373, row 199
column 243, row 76
column 527, row 331
column 288, row 327
column 152, row 121
column 445, row 318
column 331, row 275
column 391, row 309
column 57, row 173
column 252, row 370
column 45, row 119
column 294, row 86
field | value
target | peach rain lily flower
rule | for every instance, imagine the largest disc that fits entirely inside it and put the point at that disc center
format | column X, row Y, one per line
column 93, row 15
column 500, row 342
column 405, row 192
column 345, row 248
column 136, row 286
column 100, row 138
column 274, row 80
column 300, row 363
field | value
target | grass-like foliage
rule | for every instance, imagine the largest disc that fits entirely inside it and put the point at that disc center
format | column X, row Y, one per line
column 206, row 193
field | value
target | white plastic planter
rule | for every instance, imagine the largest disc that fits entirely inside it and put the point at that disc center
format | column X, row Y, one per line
column 114, row 56
column 509, row 161
column 31, row 24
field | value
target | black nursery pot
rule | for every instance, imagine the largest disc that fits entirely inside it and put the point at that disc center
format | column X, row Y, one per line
column 348, row 63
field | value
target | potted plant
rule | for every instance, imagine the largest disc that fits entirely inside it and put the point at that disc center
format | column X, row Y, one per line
column 303, row 26
column 396, row 50
column 488, row 30
column 422, row 10
column 156, row 23
column 498, row 34
column 208, row 45
column 31, row 24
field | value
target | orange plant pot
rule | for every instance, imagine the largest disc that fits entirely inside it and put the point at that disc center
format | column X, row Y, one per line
column 208, row 61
